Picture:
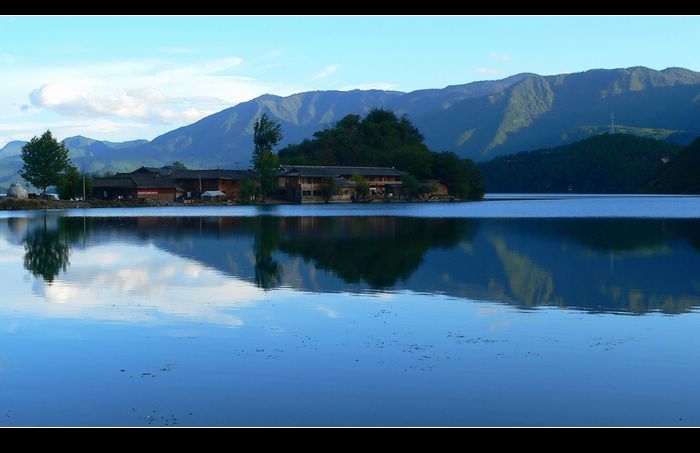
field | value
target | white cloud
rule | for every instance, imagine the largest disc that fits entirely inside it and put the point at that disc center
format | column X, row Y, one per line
column 327, row 71
column 499, row 56
column 120, row 97
column 499, row 325
column 331, row 313
column 154, row 92
column 155, row 286
column 6, row 58
column 491, row 72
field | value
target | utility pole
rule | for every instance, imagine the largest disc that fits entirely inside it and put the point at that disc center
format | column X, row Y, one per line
column 612, row 123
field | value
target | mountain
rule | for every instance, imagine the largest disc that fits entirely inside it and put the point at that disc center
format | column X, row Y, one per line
column 479, row 121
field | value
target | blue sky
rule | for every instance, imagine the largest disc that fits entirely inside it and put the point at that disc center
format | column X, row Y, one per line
column 120, row 78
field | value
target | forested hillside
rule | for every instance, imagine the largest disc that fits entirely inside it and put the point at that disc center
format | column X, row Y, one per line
column 606, row 163
column 382, row 139
column 681, row 175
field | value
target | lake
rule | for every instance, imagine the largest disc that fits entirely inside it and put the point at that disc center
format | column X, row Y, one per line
column 516, row 311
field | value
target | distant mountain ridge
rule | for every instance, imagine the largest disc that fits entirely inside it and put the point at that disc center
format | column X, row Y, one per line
column 479, row 120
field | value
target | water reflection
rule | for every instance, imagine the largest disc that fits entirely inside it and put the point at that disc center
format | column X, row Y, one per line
column 620, row 265
column 47, row 252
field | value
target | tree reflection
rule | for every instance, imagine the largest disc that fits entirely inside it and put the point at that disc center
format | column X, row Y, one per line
column 268, row 272
column 603, row 265
column 377, row 250
column 47, row 244
column 46, row 254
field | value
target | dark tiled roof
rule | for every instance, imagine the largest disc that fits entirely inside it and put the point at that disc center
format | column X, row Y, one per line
column 213, row 174
column 314, row 170
column 150, row 177
column 134, row 181
column 115, row 182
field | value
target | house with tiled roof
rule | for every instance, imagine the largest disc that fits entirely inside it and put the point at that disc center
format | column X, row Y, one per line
column 309, row 183
column 167, row 184
column 297, row 183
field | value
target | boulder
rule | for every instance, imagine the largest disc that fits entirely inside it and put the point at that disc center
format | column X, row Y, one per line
column 17, row 191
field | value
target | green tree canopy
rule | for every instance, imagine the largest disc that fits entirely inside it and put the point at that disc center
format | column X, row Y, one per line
column 384, row 140
column 44, row 160
column 73, row 184
column 605, row 163
column 267, row 133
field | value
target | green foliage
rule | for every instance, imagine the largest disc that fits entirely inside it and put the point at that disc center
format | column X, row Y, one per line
column 73, row 184
column 607, row 163
column 329, row 189
column 680, row 175
column 361, row 186
column 267, row 173
column 267, row 134
column 382, row 139
column 268, row 272
column 462, row 176
column 249, row 190
column 45, row 253
column 411, row 186
column 380, row 257
column 177, row 165
column 44, row 160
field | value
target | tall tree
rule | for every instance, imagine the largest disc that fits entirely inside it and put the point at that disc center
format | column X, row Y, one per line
column 44, row 160
column 267, row 133
column 73, row 184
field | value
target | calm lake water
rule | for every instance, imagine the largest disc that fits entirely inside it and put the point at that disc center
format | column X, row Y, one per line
column 515, row 311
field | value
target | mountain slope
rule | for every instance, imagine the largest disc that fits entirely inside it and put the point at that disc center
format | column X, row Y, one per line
column 478, row 121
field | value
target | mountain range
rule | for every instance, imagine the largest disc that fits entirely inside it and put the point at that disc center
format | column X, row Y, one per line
column 479, row 120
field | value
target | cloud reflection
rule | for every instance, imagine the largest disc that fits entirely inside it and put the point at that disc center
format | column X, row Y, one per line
column 140, row 284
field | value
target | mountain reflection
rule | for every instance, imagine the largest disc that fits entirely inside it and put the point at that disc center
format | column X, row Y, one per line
column 598, row 265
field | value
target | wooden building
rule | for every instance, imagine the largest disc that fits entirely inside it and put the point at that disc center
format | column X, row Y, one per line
column 309, row 183
column 168, row 184
column 297, row 183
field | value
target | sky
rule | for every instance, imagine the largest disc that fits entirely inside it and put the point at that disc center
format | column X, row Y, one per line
column 126, row 77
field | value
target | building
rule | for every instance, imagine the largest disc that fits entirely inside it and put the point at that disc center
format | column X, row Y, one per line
column 435, row 190
column 309, row 183
column 297, row 183
column 167, row 184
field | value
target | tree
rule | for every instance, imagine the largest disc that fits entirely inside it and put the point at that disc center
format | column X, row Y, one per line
column 267, row 133
column 249, row 190
column 410, row 186
column 73, row 184
column 329, row 189
column 361, row 186
column 462, row 176
column 44, row 160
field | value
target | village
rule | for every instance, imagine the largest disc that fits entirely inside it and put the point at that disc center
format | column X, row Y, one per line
column 295, row 184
